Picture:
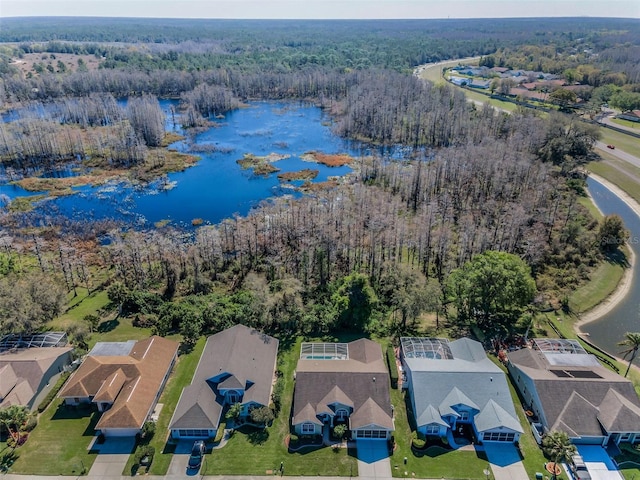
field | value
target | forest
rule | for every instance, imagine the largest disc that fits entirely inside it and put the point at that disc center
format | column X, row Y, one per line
column 374, row 253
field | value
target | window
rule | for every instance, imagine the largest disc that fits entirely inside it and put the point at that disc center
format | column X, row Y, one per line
column 233, row 397
column 308, row 428
column 499, row 437
column 464, row 416
column 341, row 414
column 433, row 429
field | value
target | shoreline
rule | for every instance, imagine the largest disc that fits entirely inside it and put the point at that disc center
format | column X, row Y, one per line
column 624, row 285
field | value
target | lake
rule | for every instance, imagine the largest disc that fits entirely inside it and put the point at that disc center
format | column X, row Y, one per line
column 217, row 187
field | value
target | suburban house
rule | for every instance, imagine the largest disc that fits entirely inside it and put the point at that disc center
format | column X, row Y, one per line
column 236, row 366
column 342, row 383
column 29, row 367
column 453, row 384
column 565, row 388
column 124, row 380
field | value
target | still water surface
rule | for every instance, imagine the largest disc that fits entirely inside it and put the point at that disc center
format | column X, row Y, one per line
column 625, row 317
column 217, row 187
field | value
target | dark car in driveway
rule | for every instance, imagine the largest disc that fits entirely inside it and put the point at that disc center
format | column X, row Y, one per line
column 197, row 453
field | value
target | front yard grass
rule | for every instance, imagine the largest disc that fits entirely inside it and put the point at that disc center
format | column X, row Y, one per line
column 180, row 378
column 267, row 448
column 629, row 462
column 434, row 462
column 59, row 444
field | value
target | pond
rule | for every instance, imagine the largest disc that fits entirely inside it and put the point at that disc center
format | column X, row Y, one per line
column 607, row 331
column 217, row 187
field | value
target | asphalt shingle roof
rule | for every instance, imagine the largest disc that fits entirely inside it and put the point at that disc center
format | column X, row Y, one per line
column 363, row 379
column 247, row 356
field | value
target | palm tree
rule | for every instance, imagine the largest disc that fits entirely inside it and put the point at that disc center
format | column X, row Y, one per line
column 13, row 418
column 558, row 446
column 632, row 342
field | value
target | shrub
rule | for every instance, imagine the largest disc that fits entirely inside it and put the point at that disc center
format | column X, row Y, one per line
column 262, row 415
column 148, row 430
column 31, row 423
column 418, row 443
column 53, row 392
column 220, row 432
column 339, row 431
column 145, row 451
column 393, row 370
column 276, row 395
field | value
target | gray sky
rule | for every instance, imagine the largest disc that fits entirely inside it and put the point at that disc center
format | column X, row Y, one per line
column 322, row 8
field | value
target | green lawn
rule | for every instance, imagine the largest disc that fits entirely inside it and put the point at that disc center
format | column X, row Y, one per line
column 58, row 445
column 622, row 141
column 629, row 462
column 603, row 282
column 268, row 448
column 626, row 123
column 180, row 378
column 618, row 176
column 434, row 462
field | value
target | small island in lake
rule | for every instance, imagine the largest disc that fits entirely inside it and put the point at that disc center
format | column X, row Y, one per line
column 307, row 174
column 330, row 160
column 261, row 165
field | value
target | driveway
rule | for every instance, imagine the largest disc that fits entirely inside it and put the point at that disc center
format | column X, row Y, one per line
column 505, row 461
column 178, row 465
column 599, row 463
column 112, row 457
column 373, row 459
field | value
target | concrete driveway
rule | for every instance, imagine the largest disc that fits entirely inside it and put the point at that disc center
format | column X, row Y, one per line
column 373, row 460
column 505, row 461
column 178, row 465
column 112, row 457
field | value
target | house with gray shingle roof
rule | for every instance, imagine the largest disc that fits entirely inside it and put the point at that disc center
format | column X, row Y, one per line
column 453, row 384
column 237, row 366
column 569, row 390
column 27, row 373
column 343, row 383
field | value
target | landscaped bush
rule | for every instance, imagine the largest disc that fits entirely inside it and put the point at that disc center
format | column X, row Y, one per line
column 276, row 394
column 148, row 430
column 31, row 423
column 418, row 441
column 220, row 433
column 339, row 431
column 13, row 443
column 145, row 452
column 53, row 392
column 393, row 370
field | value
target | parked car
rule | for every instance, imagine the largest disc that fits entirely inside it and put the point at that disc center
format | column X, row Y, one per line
column 197, row 452
column 612, row 147
column 579, row 468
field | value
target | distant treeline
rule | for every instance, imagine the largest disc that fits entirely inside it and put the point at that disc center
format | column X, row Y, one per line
column 283, row 45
